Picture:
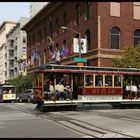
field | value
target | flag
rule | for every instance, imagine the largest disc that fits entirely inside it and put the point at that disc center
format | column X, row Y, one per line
column 64, row 51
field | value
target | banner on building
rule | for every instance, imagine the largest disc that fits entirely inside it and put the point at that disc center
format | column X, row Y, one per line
column 83, row 43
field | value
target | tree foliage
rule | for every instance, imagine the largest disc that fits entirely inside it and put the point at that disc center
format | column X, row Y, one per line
column 22, row 83
column 130, row 58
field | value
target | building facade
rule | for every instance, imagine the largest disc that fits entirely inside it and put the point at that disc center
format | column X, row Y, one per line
column 4, row 29
column 16, row 50
column 108, row 27
column 35, row 7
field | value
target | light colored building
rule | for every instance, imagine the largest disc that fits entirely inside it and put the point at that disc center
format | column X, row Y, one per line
column 5, row 27
column 16, row 50
column 35, row 7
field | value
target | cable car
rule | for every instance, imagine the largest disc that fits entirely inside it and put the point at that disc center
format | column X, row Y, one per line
column 88, row 85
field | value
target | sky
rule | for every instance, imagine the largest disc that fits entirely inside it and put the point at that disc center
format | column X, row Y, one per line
column 12, row 11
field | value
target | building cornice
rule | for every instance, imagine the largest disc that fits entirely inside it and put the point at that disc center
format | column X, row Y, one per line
column 6, row 22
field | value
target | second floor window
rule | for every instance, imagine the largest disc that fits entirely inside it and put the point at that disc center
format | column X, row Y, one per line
column 115, row 38
column 88, row 39
column 77, row 9
column 89, row 9
column 24, row 39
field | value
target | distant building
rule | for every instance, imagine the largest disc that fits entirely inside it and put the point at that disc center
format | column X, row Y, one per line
column 5, row 27
column 35, row 7
column 16, row 50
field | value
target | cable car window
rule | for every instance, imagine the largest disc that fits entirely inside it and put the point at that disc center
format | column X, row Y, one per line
column 88, row 80
column 98, row 80
column 117, row 80
column 108, row 80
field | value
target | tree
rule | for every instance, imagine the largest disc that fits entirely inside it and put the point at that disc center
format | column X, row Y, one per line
column 130, row 58
column 22, row 83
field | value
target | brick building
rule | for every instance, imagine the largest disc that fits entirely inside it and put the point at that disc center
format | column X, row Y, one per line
column 108, row 27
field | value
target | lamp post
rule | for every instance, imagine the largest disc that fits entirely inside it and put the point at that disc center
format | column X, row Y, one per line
column 79, row 39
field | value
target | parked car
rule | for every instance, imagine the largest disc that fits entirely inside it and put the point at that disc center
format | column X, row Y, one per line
column 17, row 99
column 26, row 96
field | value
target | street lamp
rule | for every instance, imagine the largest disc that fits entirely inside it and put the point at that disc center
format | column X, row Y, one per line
column 79, row 40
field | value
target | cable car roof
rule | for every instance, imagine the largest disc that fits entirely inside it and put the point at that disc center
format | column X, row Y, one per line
column 83, row 69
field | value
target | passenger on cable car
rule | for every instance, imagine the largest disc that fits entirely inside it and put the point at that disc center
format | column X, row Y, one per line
column 88, row 82
column 91, row 83
column 127, row 91
column 128, row 87
column 108, row 82
column 5, row 91
column 48, row 89
column 67, row 91
column 60, row 90
column 100, row 83
column 134, row 90
column 10, row 91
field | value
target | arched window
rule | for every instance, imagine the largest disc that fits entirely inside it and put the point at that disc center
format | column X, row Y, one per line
column 88, row 37
column 136, row 37
column 76, row 35
column 115, row 38
column 89, row 9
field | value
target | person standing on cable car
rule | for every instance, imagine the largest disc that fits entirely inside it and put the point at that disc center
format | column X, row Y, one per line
column 67, row 91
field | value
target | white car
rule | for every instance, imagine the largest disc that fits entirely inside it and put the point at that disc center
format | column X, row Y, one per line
column 26, row 96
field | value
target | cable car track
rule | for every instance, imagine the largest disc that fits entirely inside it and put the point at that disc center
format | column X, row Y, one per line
column 85, row 128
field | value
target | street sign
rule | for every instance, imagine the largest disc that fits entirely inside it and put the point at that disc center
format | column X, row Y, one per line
column 79, row 59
